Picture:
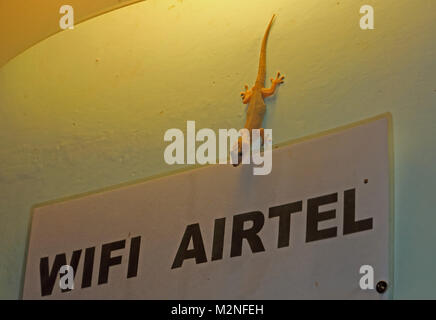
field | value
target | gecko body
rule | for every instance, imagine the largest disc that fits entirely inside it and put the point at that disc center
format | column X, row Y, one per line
column 255, row 96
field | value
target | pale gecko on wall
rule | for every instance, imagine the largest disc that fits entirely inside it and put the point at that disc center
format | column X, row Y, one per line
column 255, row 96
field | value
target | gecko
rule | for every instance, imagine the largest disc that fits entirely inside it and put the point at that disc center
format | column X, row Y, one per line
column 255, row 96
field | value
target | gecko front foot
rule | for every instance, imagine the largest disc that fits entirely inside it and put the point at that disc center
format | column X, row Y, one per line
column 266, row 92
column 246, row 95
column 278, row 80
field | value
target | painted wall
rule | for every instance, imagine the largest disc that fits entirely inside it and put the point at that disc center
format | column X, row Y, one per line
column 24, row 23
column 88, row 108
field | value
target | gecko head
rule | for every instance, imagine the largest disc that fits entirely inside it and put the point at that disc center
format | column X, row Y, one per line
column 239, row 159
column 239, row 153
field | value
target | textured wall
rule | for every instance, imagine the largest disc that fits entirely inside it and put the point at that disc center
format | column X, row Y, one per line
column 87, row 108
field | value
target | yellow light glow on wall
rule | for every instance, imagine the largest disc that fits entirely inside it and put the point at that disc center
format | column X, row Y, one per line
column 23, row 23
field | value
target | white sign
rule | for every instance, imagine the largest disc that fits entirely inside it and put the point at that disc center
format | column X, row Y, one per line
column 306, row 230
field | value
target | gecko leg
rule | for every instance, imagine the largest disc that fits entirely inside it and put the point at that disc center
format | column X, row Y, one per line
column 266, row 92
column 262, row 135
column 246, row 95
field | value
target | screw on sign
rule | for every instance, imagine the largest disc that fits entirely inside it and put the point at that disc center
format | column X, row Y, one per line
column 381, row 286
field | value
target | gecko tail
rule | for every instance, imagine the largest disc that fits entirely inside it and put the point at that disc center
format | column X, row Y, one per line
column 261, row 75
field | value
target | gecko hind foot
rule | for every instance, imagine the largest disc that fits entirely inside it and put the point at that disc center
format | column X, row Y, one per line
column 246, row 95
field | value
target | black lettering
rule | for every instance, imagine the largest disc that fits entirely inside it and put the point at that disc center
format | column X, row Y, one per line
column 284, row 213
column 48, row 278
column 350, row 224
column 135, row 245
column 88, row 265
column 314, row 217
column 218, row 239
column 239, row 234
column 197, row 252
column 107, row 261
